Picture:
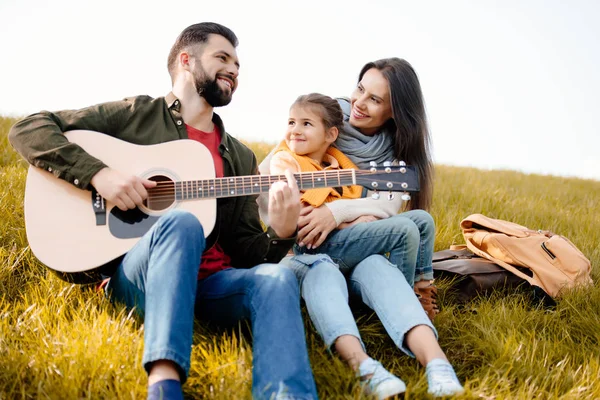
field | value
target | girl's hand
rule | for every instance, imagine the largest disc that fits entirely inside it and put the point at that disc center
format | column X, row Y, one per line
column 362, row 218
column 314, row 225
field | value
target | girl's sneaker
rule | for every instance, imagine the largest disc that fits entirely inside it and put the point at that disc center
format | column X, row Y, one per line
column 442, row 379
column 378, row 381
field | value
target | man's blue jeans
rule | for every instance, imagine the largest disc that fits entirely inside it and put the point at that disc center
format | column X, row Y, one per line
column 269, row 296
column 408, row 238
column 158, row 277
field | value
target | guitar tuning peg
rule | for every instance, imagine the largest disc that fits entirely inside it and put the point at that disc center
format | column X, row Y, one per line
column 387, row 163
column 405, row 196
column 373, row 165
column 390, row 196
column 402, row 163
column 375, row 196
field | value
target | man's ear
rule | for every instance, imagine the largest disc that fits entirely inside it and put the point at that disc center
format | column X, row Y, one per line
column 332, row 134
column 184, row 60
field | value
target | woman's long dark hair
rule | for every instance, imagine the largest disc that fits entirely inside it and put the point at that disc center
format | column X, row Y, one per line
column 412, row 141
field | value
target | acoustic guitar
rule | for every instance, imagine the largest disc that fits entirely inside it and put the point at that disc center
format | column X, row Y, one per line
column 74, row 232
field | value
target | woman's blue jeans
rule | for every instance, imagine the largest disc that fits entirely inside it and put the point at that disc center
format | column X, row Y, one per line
column 408, row 238
column 158, row 277
column 375, row 281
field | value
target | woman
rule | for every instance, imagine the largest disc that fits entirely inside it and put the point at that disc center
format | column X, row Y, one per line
column 385, row 121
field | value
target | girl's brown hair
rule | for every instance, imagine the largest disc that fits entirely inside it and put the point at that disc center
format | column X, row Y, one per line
column 328, row 108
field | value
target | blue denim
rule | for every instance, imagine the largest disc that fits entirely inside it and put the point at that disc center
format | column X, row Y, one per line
column 268, row 295
column 408, row 238
column 158, row 277
column 374, row 281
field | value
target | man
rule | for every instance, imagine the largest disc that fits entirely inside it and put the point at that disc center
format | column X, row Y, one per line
column 160, row 275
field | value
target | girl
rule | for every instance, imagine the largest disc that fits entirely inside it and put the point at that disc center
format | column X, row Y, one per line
column 314, row 124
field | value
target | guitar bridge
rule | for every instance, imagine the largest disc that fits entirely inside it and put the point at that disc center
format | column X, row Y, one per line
column 99, row 206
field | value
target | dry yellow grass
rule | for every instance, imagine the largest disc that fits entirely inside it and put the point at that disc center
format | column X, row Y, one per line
column 59, row 341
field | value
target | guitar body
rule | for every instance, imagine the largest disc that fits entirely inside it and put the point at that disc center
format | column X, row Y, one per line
column 63, row 229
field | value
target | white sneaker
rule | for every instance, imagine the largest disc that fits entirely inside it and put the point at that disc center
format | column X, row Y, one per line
column 442, row 379
column 381, row 383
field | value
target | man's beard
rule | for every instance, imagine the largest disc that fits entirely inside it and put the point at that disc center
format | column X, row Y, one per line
column 211, row 91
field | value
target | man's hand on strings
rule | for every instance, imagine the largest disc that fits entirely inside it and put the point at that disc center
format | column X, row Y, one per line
column 284, row 206
column 123, row 190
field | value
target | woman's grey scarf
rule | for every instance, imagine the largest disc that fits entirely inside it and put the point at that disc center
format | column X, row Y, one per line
column 363, row 149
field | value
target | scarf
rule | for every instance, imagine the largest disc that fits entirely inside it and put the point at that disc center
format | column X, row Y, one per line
column 360, row 148
column 316, row 197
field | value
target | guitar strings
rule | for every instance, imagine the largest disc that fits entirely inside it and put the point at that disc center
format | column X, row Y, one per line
column 168, row 189
column 275, row 178
column 185, row 196
column 221, row 187
column 217, row 193
column 269, row 178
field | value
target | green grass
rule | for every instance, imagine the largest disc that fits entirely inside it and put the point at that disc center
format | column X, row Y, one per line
column 60, row 341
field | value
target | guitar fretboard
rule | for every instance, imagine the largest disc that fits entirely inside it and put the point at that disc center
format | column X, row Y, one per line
column 246, row 185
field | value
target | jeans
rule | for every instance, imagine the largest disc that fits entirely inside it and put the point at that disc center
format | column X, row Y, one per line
column 268, row 295
column 158, row 277
column 408, row 238
column 375, row 281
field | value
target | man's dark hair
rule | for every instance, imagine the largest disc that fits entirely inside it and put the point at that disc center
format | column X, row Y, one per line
column 198, row 34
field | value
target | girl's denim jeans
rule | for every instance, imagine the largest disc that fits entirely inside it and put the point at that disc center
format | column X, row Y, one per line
column 407, row 239
column 374, row 281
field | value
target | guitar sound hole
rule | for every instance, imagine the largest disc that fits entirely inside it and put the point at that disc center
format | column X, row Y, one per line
column 162, row 195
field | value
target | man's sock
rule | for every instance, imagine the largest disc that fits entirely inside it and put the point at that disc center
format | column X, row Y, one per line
column 168, row 389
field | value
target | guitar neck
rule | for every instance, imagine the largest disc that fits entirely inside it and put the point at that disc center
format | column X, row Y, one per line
column 255, row 184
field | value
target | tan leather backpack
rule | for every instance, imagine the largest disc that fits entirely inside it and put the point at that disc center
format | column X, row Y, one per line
column 555, row 263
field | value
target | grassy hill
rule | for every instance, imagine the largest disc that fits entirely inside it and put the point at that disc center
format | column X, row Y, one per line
column 60, row 341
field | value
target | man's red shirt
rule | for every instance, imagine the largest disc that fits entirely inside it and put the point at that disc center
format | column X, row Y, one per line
column 213, row 259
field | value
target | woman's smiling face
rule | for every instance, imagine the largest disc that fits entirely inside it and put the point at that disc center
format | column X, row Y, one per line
column 370, row 101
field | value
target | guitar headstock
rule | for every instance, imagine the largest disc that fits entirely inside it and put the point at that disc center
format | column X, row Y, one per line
column 389, row 178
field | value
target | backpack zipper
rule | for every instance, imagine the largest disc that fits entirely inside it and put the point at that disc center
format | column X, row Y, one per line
column 552, row 256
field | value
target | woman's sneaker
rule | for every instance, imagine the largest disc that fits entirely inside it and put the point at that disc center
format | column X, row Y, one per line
column 442, row 379
column 378, row 381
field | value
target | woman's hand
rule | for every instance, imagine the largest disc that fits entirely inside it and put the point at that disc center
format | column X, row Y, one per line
column 362, row 218
column 314, row 225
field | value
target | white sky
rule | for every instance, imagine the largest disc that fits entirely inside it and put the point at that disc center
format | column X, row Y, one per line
column 508, row 84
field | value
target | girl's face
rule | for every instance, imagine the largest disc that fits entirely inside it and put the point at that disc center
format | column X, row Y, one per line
column 370, row 101
column 306, row 134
